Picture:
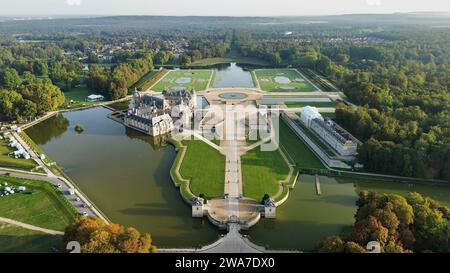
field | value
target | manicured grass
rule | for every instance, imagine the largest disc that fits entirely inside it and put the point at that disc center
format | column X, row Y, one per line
column 45, row 207
column 323, row 83
column 14, row 239
column 148, row 80
column 179, row 181
column 316, row 139
column 297, row 83
column 297, row 150
column 199, row 80
column 254, row 79
column 12, row 162
column 230, row 59
column 329, row 115
column 78, row 93
column 261, row 172
column 205, row 168
column 313, row 103
column 76, row 97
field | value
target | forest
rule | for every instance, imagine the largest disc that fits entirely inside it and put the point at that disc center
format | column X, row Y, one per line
column 400, row 83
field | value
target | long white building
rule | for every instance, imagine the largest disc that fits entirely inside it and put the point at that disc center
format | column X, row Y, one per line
column 335, row 136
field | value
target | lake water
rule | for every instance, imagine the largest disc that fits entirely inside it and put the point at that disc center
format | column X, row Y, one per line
column 231, row 75
column 125, row 173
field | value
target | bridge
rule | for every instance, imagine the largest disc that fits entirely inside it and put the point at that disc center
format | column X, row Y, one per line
column 232, row 242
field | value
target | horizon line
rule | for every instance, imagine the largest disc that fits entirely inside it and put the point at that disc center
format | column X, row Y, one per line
column 243, row 16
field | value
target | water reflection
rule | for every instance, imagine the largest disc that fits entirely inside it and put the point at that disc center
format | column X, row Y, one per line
column 53, row 127
column 125, row 173
column 232, row 75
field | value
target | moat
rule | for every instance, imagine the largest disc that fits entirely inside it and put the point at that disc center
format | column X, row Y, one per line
column 125, row 173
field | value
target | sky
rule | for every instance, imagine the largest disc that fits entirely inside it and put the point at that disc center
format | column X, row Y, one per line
column 216, row 7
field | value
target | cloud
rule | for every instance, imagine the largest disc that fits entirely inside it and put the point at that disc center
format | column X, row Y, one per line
column 73, row 2
column 373, row 2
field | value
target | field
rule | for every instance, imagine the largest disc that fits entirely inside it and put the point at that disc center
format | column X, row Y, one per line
column 261, row 172
column 76, row 97
column 14, row 239
column 193, row 79
column 283, row 80
column 205, row 167
column 320, row 81
column 231, row 59
column 148, row 80
column 297, row 150
column 11, row 162
column 41, row 204
column 318, row 104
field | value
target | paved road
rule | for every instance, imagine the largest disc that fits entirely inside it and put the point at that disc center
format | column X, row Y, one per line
column 54, row 180
column 30, row 151
column 78, row 200
column 31, row 227
column 232, row 242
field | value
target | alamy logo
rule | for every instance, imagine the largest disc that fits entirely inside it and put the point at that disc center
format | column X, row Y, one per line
column 73, row 247
column 373, row 247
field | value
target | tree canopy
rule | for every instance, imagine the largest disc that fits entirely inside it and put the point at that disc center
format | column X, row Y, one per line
column 95, row 236
column 398, row 224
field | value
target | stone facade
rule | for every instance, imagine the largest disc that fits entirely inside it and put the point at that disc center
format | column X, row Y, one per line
column 197, row 207
column 149, row 114
column 339, row 139
column 270, row 208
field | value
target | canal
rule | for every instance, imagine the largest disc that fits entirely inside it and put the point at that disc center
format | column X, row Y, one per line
column 231, row 75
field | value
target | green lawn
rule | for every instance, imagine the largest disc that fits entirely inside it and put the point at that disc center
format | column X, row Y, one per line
column 230, row 59
column 316, row 139
column 148, row 80
column 14, row 239
column 313, row 103
column 329, row 115
column 297, row 150
column 205, row 167
column 45, row 207
column 295, row 82
column 199, row 80
column 76, row 97
column 261, row 172
column 11, row 162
